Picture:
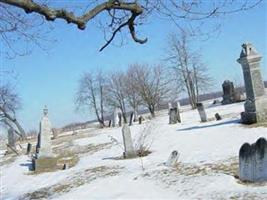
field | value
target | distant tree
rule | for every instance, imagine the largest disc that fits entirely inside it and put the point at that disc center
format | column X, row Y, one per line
column 116, row 94
column 9, row 104
column 113, row 15
column 91, row 94
column 152, row 85
column 191, row 73
column 131, row 90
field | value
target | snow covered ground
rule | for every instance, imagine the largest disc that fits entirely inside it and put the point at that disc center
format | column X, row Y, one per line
column 208, row 163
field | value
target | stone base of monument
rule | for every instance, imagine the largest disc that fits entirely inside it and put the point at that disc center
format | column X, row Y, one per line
column 44, row 164
column 129, row 155
column 248, row 117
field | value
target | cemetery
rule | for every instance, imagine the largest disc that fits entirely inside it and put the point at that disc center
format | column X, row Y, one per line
column 122, row 123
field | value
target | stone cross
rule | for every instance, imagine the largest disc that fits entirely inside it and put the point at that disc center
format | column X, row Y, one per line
column 253, row 161
column 44, row 139
column 256, row 102
column 173, row 118
column 129, row 151
column 202, row 113
column 172, row 160
column 228, row 92
column 11, row 139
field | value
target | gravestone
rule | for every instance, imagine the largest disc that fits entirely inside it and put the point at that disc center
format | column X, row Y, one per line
column 169, row 107
column 201, row 111
column 256, row 98
column 29, row 148
column 140, row 119
column 45, row 160
column 109, row 123
column 115, row 120
column 253, row 161
column 218, row 116
column 11, row 141
column 173, row 118
column 173, row 159
column 178, row 111
column 129, row 151
column 228, row 92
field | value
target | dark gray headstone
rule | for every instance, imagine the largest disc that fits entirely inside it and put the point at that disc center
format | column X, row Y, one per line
column 256, row 101
column 29, row 148
column 202, row 113
column 228, row 92
column 253, row 161
column 131, row 119
column 140, row 119
column 218, row 116
column 173, row 116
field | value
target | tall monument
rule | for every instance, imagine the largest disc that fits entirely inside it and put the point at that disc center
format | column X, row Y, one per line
column 45, row 160
column 256, row 102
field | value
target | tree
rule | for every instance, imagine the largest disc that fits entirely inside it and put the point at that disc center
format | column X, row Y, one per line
column 119, row 14
column 115, row 92
column 152, row 85
column 131, row 90
column 9, row 104
column 91, row 94
column 190, row 72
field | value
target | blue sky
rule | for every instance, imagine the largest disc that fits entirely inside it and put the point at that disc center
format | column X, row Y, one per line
column 51, row 78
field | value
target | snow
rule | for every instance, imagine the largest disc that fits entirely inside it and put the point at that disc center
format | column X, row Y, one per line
column 199, row 144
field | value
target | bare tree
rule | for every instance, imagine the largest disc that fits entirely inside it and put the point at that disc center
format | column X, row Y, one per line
column 91, row 94
column 190, row 72
column 131, row 90
column 152, row 85
column 9, row 104
column 119, row 14
column 115, row 92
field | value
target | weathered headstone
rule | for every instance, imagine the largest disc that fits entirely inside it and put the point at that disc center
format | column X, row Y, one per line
column 45, row 160
column 218, row 116
column 228, row 92
column 178, row 111
column 173, row 118
column 129, row 151
column 256, row 98
column 173, row 159
column 140, row 119
column 11, row 140
column 201, row 111
column 253, row 161
column 29, row 148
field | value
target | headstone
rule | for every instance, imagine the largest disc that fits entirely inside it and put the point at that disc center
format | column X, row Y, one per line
column 11, row 140
column 173, row 118
column 29, row 148
column 140, row 118
column 256, row 98
column 109, row 123
column 131, row 119
column 45, row 160
column 201, row 112
column 178, row 111
column 129, row 151
column 218, row 116
column 115, row 120
column 228, row 92
column 253, row 161
column 173, row 159
column 169, row 107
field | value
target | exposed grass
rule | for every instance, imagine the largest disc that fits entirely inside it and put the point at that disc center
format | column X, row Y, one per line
column 73, row 181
